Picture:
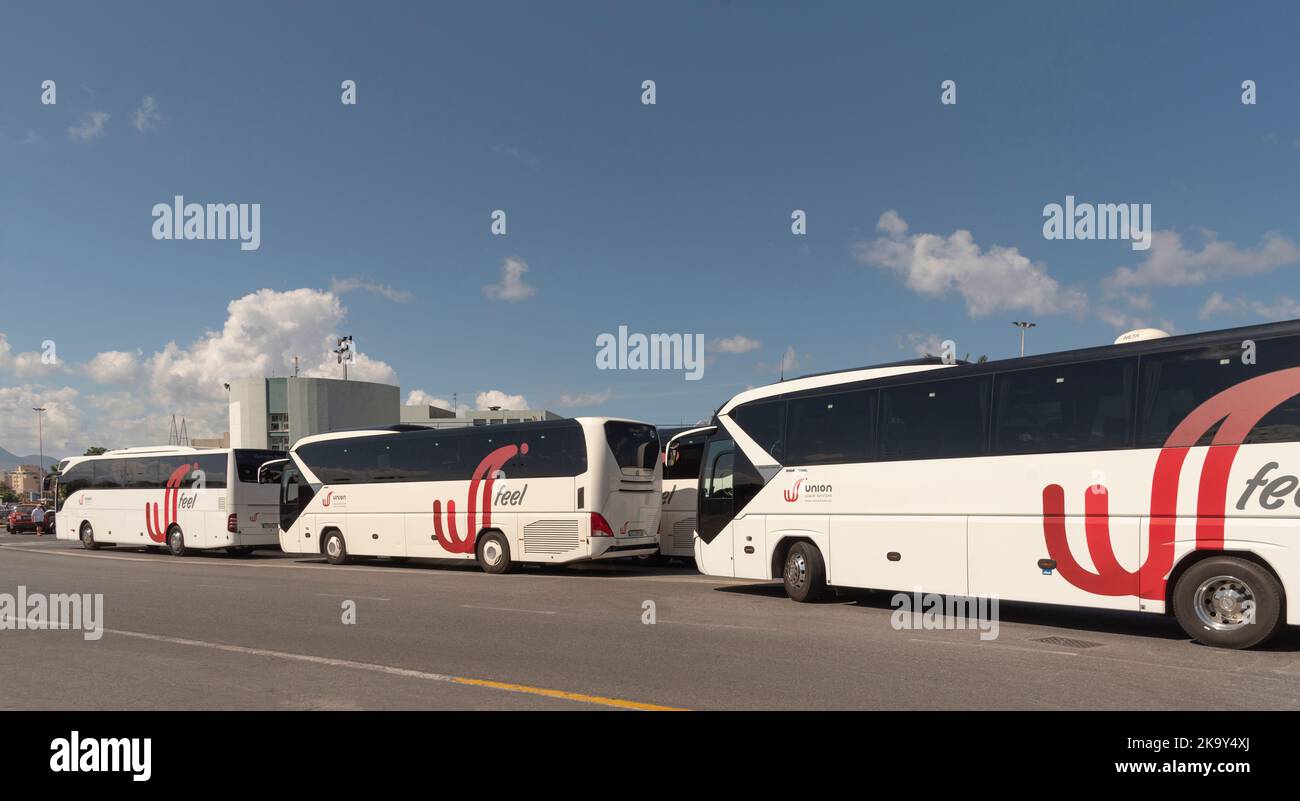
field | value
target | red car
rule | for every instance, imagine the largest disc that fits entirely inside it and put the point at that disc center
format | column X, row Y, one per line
column 20, row 519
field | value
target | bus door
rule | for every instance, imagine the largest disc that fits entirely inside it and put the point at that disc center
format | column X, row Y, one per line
column 295, row 527
column 716, row 506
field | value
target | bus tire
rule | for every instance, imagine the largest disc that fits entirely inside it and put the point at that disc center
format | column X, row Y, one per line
column 176, row 541
column 493, row 553
column 335, row 549
column 88, row 537
column 1214, row 598
column 804, row 573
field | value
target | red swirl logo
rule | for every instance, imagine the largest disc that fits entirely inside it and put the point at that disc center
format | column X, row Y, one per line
column 1235, row 411
column 480, row 486
column 171, row 498
column 791, row 495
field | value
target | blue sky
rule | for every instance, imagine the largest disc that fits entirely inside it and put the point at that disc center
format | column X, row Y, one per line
column 673, row 217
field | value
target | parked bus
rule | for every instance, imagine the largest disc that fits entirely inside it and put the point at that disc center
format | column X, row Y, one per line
column 1157, row 475
column 681, row 480
column 546, row 492
column 179, row 498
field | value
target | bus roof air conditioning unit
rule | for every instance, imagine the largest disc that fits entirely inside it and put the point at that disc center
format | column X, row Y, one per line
column 1140, row 335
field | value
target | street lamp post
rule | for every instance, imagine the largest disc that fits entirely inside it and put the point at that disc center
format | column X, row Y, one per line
column 344, row 351
column 40, row 439
column 1023, row 326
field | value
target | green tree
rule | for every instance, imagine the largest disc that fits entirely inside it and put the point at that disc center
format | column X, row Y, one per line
column 95, row 450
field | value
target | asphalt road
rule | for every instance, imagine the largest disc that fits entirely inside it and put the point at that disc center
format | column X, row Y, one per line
column 216, row 632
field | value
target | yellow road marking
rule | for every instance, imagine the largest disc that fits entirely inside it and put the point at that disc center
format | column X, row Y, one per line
column 568, row 696
column 601, row 700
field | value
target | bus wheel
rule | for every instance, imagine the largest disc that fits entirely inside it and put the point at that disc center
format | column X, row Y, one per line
column 805, row 573
column 494, row 553
column 336, row 552
column 88, row 538
column 176, row 541
column 1228, row 602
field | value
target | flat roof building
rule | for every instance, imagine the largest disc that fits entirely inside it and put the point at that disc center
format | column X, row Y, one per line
column 274, row 413
column 437, row 417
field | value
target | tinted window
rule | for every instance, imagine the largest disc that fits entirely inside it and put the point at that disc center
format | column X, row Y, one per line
column 1173, row 384
column 248, row 461
column 429, row 455
column 763, row 422
column 829, row 429
column 108, row 474
column 689, row 452
column 214, row 467
column 142, row 473
column 635, row 445
column 715, row 504
column 935, row 420
column 1065, row 408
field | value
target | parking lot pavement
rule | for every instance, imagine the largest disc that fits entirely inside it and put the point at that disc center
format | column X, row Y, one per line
column 268, row 632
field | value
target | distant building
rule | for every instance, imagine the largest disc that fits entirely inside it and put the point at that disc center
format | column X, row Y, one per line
column 274, row 413
column 25, row 480
column 437, row 417
column 222, row 441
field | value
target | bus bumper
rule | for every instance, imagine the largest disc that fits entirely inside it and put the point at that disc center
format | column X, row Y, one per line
column 618, row 547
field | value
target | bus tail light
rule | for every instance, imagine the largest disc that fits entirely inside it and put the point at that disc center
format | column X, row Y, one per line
column 232, row 523
column 600, row 526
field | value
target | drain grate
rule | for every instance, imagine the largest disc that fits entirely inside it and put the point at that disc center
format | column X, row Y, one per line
column 1068, row 642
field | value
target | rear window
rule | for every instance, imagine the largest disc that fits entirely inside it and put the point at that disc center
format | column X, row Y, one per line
column 247, row 462
column 635, row 445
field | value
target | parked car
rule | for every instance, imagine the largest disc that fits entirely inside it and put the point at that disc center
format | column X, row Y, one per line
column 20, row 519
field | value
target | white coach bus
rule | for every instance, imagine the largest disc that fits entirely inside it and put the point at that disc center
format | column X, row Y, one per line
column 174, row 497
column 681, row 480
column 1157, row 475
column 553, row 491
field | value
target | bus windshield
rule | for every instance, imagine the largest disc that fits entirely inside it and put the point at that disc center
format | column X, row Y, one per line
column 247, row 461
column 635, row 445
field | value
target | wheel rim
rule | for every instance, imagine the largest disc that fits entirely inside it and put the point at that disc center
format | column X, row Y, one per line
column 175, row 541
column 492, row 552
column 1225, row 603
column 87, row 535
column 796, row 570
column 333, row 547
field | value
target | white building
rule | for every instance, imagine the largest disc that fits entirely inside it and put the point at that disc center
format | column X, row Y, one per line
column 437, row 417
column 274, row 413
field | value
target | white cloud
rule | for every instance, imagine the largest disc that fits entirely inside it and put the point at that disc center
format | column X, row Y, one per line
column 1280, row 308
column 340, row 286
column 585, row 399
column 495, row 397
column 511, row 288
column 922, row 344
column 1122, row 321
column 736, row 344
column 61, row 421
column 418, row 397
column 90, row 128
column 147, row 116
column 27, row 364
column 998, row 279
column 1171, row 263
column 113, row 367
column 262, row 333
column 893, row 225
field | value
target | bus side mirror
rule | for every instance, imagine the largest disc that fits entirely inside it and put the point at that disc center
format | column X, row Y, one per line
column 671, row 457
